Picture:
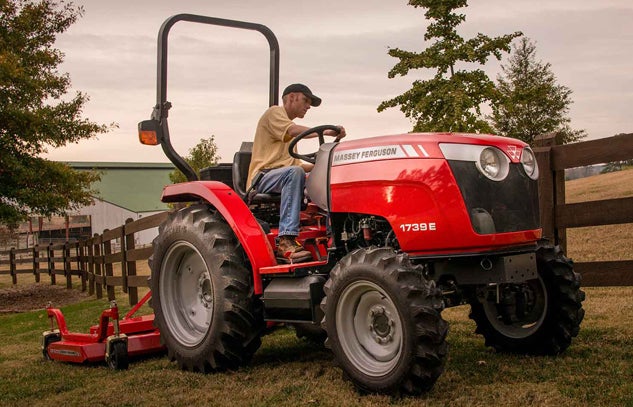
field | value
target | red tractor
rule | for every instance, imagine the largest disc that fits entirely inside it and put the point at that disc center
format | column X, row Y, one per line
column 400, row 227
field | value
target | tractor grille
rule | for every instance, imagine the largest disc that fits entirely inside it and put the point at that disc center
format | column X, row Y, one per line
column 498, row 206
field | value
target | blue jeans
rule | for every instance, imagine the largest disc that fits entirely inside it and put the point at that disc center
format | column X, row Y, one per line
column 289, row 182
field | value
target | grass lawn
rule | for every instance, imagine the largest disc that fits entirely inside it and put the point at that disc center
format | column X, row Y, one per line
column 596, row 370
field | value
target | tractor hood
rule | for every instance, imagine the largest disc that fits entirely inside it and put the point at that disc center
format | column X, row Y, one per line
column 418, row 145
column 440, row 192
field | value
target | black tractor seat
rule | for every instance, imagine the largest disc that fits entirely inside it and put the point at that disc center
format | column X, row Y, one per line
column 241, row 162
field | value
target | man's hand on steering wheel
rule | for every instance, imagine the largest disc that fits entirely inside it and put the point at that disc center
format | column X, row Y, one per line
column 341, row 133
column 321, row 131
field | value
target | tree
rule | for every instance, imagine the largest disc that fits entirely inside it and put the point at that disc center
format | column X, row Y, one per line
column 617, row 166
column 203, row 155
column 36, row 113
column 452, row 100
column 530, row 102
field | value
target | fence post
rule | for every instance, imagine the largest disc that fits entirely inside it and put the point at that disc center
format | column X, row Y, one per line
column 107, row 267
column 91, row 267
column 123, row 259
column 12, row 266
column 131, row 265
column 67, row 267
column 546, row 184
column 36, row 263
column 81, row 263
column 559, row 200
column 51, row 263
column 98, row 264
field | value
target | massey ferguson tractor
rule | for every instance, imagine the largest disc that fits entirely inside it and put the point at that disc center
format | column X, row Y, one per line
column 400, row 227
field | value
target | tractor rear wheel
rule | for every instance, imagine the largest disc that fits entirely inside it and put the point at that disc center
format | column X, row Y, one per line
column 383, row 322
column 202, row 293
column 539, row 317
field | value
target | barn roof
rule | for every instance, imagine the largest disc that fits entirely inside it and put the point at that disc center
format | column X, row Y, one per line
column 133, row 186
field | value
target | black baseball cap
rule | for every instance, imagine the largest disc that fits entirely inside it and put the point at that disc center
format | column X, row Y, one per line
column 301, row 88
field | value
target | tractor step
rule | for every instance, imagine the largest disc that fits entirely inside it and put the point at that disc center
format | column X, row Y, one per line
column 294, row 299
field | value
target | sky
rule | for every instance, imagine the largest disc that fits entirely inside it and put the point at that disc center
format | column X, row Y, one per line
column 218, row 77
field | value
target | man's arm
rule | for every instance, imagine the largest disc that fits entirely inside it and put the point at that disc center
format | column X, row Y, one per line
column 294, row 130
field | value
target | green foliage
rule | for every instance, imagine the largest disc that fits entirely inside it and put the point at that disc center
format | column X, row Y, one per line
column 530, row 102
column 204, row 154
column 617, row 166
column 36, row 113
column 452, row 100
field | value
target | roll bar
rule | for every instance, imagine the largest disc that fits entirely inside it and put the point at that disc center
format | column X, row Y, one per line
column 158, row 122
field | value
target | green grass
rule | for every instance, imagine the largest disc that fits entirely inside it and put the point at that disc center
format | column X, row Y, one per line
column 596, row 370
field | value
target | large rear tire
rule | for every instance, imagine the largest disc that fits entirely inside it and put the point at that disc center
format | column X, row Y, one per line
column 383, row 322
column 551, row 310
column 202, row 293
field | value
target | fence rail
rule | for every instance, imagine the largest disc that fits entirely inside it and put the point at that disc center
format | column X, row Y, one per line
column 557, row 215
column 93, row 260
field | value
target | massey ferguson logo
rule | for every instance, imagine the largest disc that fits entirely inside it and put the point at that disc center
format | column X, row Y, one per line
column 514, row 153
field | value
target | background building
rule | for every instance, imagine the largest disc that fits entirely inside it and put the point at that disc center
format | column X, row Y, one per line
column 126, row 190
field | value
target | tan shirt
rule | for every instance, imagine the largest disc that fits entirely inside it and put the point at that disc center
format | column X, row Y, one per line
column 270, row 147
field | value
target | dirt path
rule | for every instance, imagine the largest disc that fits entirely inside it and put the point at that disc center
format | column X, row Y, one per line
column 23, row 298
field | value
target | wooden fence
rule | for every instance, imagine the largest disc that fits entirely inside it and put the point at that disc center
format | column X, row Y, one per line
column 557, row 215
column 93, row 260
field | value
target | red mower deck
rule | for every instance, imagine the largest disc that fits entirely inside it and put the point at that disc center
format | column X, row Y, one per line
column 113, row 341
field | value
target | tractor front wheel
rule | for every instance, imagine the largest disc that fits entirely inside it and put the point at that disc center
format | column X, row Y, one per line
column 383, row 322
column 539, row 317
column 202, row 293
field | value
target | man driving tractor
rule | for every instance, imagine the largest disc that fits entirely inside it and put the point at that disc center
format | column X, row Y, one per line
column 282, row 173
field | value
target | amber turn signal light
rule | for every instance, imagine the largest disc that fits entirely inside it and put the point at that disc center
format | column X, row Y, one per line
column 148, row 132
column 148, row 137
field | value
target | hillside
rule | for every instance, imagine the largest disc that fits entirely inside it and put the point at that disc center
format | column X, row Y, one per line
column 603, row 186
column 612, row 242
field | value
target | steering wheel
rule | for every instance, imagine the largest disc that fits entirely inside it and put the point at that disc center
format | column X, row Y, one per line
column 319, row 130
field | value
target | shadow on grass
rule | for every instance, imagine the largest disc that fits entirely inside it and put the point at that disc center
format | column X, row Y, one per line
column 594, row 355
column 282, row 346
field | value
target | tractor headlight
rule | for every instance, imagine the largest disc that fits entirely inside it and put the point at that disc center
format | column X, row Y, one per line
column 491, row 164
column 529, row 163
column 490, row 161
